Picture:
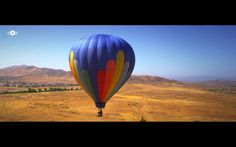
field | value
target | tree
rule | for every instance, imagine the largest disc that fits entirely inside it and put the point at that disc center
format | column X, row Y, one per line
column 4, row 92
column 142, row 119
column 31, row 90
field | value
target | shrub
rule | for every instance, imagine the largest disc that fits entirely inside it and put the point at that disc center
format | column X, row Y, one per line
column 31, row 90
column 55, row 89
column 142, row 119
column 5, row 92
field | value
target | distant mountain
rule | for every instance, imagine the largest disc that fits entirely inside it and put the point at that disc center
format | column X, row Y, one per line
column 146, row 79
column 200, row 79
column 219, row 83
column 24, row 74
column 32, row 74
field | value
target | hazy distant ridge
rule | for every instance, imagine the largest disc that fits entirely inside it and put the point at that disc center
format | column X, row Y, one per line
column 32, row 74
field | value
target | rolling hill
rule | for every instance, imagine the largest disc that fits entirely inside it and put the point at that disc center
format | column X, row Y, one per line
column 146, row 79
column 35, row 75
column 143, row 98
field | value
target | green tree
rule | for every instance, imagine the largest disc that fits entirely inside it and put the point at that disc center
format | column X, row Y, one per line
column 5, row 92
column 31, row 90
column 142, row 119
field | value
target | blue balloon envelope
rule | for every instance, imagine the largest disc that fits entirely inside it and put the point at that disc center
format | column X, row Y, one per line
column 101, row 64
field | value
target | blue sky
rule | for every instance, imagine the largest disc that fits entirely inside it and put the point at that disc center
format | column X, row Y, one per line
column 161, row 50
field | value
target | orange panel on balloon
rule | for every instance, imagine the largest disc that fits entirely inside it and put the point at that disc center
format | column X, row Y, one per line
column 110, row 67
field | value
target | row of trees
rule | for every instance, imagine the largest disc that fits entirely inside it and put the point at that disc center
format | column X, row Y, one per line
column 32, row 90
column 27, row 84
column 52, row 89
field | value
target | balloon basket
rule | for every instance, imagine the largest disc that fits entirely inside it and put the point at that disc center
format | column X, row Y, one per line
column 100, row 113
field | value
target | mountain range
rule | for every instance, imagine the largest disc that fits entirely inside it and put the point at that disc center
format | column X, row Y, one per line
column 24, row 74
column 28, row 75
column 200, row 79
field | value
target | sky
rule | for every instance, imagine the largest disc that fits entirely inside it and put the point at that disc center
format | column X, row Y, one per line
column 161, row 50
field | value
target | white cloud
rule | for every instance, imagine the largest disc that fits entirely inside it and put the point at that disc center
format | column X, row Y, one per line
column 12, row 33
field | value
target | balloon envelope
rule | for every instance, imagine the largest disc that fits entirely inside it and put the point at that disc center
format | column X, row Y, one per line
column 101, row 64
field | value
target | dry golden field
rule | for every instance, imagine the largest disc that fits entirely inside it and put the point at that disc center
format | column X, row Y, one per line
column 133, row 102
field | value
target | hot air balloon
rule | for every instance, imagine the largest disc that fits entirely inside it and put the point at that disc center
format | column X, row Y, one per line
column 101, row 64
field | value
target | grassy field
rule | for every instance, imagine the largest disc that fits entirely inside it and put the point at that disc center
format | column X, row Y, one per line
column 133, row 102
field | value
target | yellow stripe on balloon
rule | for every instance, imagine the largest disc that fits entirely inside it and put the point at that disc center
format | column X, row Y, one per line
column 118, row 70
column 76, row 68
column 75, row 72
column 72, row 67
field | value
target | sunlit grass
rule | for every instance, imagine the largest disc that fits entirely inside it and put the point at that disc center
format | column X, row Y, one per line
column 133, row 102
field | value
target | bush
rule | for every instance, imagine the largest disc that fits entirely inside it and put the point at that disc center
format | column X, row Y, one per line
column 5, row 92
column 55, row 89
column 31, row 90
column 142, row 119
